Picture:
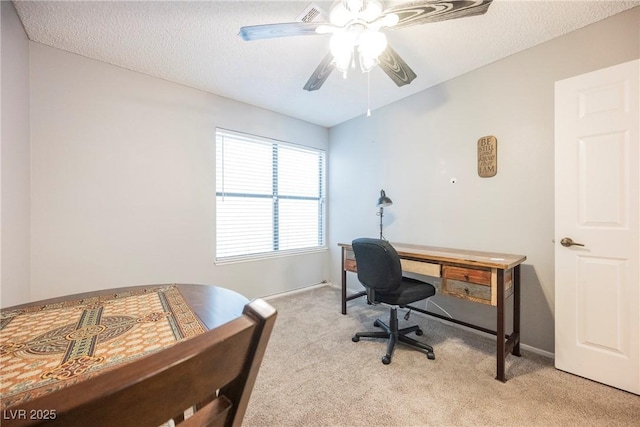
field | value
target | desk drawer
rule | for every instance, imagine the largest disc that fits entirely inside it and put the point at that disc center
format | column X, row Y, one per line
column 467, row 283
column 480, row 277
column 350, row 261
column 419, row 267
column 466, row 290
column 425, row 268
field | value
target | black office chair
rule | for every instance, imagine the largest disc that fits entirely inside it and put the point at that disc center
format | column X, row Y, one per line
column 379, row 270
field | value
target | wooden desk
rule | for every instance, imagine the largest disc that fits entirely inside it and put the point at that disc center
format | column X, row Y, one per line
column 481, row 277
column 51, row 344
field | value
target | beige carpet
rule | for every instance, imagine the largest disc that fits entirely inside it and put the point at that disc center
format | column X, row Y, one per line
column 314, row 375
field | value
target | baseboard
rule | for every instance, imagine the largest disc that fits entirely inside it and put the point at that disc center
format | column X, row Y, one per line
column 295, row 291
column 538, row 351
column 525, row 347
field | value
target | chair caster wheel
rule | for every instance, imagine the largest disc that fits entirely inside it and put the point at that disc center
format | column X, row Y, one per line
column 419, row 332
column 431, row 356
column 355, row 339
column 386, row 359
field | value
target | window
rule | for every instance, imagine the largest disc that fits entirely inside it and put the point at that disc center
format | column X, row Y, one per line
column 269, row 197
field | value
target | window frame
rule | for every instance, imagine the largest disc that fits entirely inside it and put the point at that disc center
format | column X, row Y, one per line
column 276, row 197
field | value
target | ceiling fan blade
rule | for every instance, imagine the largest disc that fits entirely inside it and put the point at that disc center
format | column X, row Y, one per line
column 424, row 12
column 320, row 74
column 395, row 67
column 287, row 29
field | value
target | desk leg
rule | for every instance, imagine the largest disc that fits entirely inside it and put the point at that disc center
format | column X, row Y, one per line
column 344, row 284
column 516, row 311
column 500, row 342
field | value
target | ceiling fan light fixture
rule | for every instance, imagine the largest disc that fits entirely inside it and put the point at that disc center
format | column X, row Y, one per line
column 367, row 63
column 340, row 15
column 356, row 25
column 342, row 44
column 371, row 12
column 372, row 43
column 353, row 5
column 389, row 20
column 348, row 11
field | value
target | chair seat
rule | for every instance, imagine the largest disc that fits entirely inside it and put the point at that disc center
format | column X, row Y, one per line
column 411, row 290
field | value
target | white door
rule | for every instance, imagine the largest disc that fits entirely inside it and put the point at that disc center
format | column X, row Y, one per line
column 597, row 191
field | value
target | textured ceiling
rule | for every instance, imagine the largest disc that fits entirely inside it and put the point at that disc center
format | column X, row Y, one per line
column 196, row 44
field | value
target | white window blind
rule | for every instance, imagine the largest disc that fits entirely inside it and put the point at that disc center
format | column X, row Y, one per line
column 269, row 196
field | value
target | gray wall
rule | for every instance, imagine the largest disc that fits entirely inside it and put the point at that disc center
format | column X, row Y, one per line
column 413, row 148
column 123, row 191
column 15, row 167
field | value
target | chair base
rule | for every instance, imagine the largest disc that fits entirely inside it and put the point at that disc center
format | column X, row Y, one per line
column 395, row 335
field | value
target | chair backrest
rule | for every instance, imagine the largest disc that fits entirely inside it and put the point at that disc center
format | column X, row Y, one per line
column 211, row 375
column 378, row 264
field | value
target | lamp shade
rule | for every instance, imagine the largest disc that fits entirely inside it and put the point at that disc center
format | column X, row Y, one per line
column 384, row 201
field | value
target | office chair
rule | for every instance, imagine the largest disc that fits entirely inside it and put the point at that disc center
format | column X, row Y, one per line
column 379, row 270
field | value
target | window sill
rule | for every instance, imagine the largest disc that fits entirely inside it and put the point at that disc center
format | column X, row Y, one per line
column 267, row 256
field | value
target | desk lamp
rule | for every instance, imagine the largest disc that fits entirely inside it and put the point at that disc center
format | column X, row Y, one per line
column 383, row 202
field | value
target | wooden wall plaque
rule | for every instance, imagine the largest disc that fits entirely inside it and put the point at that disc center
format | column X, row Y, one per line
column 487, row 156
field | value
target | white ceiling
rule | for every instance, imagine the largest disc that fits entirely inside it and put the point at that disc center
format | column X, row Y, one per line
column 196, row 44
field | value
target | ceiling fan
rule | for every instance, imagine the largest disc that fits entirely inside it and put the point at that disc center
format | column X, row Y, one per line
column 356, row 34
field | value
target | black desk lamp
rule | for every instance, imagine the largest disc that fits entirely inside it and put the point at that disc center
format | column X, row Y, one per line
column 383, row 202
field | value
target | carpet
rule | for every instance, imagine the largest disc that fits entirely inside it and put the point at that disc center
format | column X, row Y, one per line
column 314, row 375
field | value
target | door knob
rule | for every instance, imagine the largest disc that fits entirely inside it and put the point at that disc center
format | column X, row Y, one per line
column 568, row 241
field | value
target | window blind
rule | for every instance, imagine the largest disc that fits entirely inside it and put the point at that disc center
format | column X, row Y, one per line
column 269, row 196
